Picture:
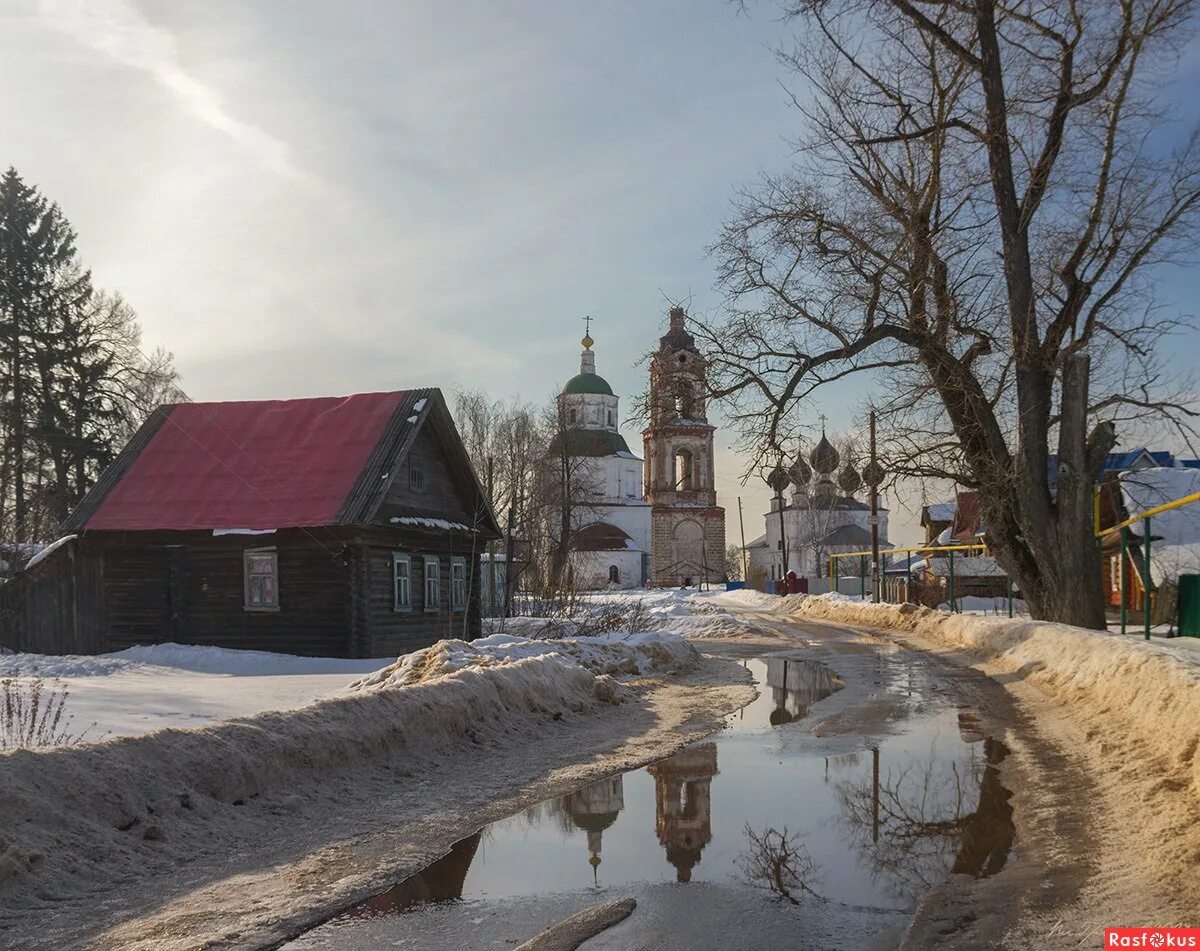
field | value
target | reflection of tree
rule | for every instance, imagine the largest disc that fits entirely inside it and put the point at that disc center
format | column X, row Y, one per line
column 443, row 880
column 779, row 861
column 925, row 827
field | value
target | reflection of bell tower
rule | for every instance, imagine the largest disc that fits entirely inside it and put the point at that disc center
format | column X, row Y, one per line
column 687, row 525
column 683, row 805
column 593, row 809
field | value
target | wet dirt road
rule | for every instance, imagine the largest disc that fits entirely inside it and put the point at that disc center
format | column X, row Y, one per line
column 865, row 795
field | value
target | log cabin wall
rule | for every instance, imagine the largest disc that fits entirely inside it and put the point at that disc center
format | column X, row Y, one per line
column 390, row 632
column 439, row 492
column 189, row 587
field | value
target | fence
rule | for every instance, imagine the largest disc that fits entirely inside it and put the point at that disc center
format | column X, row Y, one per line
column 1147, row 577
column 950, row 550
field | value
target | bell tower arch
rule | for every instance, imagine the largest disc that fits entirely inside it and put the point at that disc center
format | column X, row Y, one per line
column 687, row 525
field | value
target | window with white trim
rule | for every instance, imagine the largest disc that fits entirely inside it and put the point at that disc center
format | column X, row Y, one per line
column 401, row 582
column 260, row 568
column 433, row 583
column 458, row 584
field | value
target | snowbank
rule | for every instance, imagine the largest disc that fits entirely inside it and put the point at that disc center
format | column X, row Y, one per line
column 177, row 686
column 607, row 655
column 1149, row 691
column 115, row 800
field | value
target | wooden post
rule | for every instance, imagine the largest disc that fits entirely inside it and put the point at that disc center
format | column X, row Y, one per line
column 953, row 608
column 1124, row 569
column 745, row 557
column 1147, row 577
column 1010, row 605
column 876, row 575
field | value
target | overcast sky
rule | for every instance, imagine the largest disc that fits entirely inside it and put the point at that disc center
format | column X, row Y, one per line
column 318, row 197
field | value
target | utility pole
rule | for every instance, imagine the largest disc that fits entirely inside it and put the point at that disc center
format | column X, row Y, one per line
column 873, row 469
column 742, row 527
column 491, row 551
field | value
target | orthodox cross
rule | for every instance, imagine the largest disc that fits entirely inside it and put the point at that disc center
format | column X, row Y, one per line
column 822, row 418
column 587, row 325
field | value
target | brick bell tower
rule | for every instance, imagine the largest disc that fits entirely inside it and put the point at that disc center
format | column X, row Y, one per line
column 687, row 527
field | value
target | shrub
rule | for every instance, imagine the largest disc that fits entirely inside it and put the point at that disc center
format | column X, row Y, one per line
column 33, row 714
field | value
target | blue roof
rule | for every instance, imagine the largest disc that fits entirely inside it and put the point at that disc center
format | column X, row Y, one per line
column 1121, row 461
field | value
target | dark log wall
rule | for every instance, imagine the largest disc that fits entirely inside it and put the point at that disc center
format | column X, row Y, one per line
column 189, row 588
column 441, row 496
column 49, row 610
column 392, row 633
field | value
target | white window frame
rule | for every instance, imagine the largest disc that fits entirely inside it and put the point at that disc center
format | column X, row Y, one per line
column 458, row 585
column 246, row 574
column 401, row 605
column 433, row 573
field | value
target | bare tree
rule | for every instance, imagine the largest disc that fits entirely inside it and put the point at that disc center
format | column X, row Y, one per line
column 978, row 203
column 568, row 489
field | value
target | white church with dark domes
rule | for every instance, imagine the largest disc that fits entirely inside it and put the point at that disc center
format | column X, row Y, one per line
column 822, row 517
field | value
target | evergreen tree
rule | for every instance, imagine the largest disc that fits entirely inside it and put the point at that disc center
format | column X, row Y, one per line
column 74, row 383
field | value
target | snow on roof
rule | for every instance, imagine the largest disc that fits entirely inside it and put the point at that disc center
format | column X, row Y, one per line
column 423, row 522
column 760, row 542
column 969, row 566
column 248, row 464
column 939, row 512
column 1174, row 535
column 46, row 552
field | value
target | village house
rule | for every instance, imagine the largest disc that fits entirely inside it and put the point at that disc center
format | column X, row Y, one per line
column 341, row 526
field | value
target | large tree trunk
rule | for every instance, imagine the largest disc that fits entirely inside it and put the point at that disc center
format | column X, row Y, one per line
column 1055, row 560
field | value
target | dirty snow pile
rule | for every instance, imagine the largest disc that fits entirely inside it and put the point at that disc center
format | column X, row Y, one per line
column 561, row 663
column 1147, row 692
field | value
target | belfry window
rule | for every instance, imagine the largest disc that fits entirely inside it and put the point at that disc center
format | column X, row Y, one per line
column 684, row 471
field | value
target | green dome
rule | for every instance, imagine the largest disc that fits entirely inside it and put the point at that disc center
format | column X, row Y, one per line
column 588, row 383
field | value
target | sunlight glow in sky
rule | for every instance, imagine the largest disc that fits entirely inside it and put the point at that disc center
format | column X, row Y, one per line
column 309, row 198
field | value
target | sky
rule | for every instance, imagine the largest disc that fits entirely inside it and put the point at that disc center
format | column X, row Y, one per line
column 304, row 198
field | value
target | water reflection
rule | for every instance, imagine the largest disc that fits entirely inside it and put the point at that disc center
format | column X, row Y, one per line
column 779, row 861
column 441, row 881
column 593, row 809
column 796, row 685
column 683, row 805
column 916, row 821
column 873, row 828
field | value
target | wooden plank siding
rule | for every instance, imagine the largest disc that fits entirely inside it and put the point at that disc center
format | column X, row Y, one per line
column 399, row 632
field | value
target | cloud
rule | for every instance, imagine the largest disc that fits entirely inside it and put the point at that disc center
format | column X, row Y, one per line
column 119, row 30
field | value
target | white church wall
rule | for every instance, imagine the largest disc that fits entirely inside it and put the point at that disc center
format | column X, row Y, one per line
column 592, row 569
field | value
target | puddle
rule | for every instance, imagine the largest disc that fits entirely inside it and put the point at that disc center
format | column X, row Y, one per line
column 788, row 687
column 738, row 832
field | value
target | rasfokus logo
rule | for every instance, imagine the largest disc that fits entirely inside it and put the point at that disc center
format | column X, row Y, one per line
column 1152, row 938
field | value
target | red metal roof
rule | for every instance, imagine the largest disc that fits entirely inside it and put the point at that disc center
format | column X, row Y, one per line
column 255, row 465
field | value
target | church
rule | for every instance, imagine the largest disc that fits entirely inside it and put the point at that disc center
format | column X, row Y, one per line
column 651, row 522
column 823, row 517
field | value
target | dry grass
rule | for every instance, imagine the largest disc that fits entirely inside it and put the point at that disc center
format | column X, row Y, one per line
column 33, row 714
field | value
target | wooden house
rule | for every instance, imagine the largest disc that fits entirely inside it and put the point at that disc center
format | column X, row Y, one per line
column 345, row 526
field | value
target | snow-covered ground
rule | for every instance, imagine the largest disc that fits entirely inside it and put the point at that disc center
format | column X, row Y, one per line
column 144, row 689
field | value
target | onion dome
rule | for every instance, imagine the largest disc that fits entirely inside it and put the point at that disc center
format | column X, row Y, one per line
column 778, row 479
column 873, row 474
column 824, row 458
column 849, row 480
column 800, row 472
